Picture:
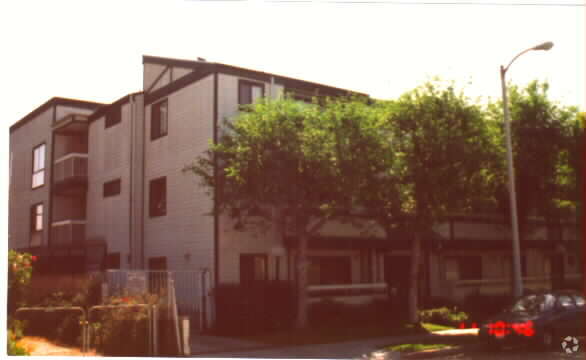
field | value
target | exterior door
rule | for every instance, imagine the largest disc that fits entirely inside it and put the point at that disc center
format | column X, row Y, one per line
column 397, row 269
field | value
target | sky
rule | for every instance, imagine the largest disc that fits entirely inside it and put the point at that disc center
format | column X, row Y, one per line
column 92, row 50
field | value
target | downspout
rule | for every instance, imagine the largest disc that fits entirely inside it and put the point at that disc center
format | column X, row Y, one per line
column 52, row 162
column 216, row 219
column 142, row 262
column 132, row 259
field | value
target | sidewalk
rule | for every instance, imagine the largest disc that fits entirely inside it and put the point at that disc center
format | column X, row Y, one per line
column 219, row 347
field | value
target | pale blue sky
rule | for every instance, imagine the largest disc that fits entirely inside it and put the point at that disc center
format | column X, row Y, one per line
column 92, row 49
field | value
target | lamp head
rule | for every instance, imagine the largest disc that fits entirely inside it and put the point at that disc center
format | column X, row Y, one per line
column 545, row 46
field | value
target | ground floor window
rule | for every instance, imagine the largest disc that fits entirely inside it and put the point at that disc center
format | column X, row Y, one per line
column 330, row 270
column 253, row 267
column 464, row 268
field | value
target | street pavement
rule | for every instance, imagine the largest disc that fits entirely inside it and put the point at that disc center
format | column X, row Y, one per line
column 219, row 347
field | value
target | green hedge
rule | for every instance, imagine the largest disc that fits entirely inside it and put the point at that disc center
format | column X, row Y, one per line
column 254, row 308
column 443, row 316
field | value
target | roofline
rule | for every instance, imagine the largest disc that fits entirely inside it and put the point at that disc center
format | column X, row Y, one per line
column 54, row 101
column 104, row 108
column 207, row 68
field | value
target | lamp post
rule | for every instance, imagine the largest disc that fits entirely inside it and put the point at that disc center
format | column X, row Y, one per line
column 518, row 285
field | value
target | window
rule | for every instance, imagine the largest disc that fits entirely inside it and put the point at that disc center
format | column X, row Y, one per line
column 470, row 267
column 112, row 188
column 113, row 116
column 112, row 261
column 249, row 92
column 38, row 166
column 158, row 197
column 329, row 270
column 464, row 268
column 36, row 223
column 159, row 119
column 253, row 267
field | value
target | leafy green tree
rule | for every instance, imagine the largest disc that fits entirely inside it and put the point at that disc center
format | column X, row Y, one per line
column 282, row 163
column 439, row 161
column 545, row 137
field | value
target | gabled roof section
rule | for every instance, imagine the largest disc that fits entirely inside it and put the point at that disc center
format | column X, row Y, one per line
column 54, row 102
column 204, row 68
column 104, row 108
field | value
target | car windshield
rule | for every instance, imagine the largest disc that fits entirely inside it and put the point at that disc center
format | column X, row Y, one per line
column 534, row 304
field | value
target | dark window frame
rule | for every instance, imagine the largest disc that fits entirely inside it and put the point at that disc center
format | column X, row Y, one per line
column 158, row 206
column 464, row 265
column 327, row 273
column 113, row 116
column 241, row 83
column 156, row 119
column 112, row 188
column 253, row 257
column 41, row 169
column 33, row 215
column 112, row 261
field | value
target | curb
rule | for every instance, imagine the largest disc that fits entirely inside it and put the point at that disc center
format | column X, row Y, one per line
column 441, row 352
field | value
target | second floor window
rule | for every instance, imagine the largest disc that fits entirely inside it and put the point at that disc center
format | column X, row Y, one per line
column 38, row 166
column 113, row 116
column 36, row 225
column 158, row 197
column 159, row 119
column 112, row 188
column 249, row 92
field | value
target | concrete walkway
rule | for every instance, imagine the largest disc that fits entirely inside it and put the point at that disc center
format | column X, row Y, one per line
column 219, row 347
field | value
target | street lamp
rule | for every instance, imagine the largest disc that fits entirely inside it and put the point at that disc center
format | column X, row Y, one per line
column 518, row 285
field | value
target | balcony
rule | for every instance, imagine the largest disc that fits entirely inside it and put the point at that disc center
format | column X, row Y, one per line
column 71, row 124
column 68, row 233
column 70, row 174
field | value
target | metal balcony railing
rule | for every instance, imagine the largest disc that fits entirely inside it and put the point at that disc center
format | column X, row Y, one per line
column 67, row 233
column 70, row 168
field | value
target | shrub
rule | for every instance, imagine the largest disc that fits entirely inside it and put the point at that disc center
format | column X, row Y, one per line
column 14, row 334
column 20, row 270
column 443, row 316
column 482, row 306
column 254, row 308
column 123, row 331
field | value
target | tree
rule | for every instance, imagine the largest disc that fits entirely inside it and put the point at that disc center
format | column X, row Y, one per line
column 284, row 164
column 438, row 163
column 545, row 138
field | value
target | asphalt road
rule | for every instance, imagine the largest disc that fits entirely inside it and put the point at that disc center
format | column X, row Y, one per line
column 512, row 354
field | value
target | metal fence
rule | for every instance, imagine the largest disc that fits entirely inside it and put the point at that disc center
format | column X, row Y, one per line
column 190, row 290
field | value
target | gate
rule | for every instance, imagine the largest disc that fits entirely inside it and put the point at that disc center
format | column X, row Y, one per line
column 190, row 290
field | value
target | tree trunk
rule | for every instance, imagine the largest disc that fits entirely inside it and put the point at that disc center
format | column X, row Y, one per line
column 302, row 279
column 414, row 279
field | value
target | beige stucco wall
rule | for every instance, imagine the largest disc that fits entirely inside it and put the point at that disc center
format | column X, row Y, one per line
column 150, row 74
column 184, row 229
column 109, row 159
column 21, row 195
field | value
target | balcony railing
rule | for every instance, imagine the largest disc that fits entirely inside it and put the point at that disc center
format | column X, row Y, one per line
column 70, row 170
column 67, row 233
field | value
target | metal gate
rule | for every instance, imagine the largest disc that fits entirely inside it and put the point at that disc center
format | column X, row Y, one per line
column 191, row 290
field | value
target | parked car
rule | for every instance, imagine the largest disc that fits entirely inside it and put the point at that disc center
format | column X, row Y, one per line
column 544, row 319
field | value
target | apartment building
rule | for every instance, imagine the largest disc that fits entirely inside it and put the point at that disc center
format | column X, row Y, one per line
column 97, row 186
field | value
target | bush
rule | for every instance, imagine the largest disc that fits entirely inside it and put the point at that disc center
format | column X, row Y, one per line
column 123, row 331
column 483, row 306
column 443, row 316
column 14, row 334
column 254, row 308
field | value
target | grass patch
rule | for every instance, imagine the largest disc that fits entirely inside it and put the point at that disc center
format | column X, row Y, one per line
column 417, row 347
column 436, row 327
